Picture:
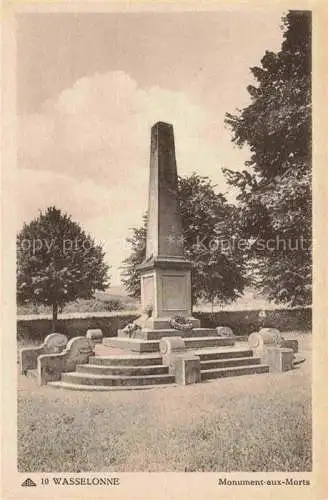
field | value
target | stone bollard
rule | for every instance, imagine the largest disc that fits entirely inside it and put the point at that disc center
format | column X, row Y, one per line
column 186, row 369
column 290, row 344
column 170, row 346
column 224, row 331
column 260, row 341
column 55, row 342
column 184, row 366
column 269, row 336
column 95, row 335
column 280, row 359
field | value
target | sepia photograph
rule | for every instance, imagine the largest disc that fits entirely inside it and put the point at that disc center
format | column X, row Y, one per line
column 164, row 241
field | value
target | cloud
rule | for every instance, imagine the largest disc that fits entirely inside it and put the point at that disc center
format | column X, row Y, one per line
column 87, row 152
column 99, row 128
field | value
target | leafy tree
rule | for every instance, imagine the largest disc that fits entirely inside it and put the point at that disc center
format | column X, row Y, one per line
column 130, row 274
column 275, row 189
column 217, row 272
column 57, row 262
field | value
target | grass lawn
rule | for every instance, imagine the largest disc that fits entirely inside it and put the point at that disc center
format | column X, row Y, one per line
column 248, row 423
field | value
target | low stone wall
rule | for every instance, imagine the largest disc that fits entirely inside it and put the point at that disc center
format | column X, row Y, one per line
column 241, row 322
column 35, row 328
column 246, row 322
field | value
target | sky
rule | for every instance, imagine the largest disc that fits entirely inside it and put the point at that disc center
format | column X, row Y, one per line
column 89, row 88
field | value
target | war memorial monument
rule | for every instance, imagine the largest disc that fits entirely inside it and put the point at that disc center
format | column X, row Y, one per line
column 166, row 344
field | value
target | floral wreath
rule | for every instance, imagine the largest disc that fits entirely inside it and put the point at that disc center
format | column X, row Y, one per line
column 131, row 329
column 180, row 323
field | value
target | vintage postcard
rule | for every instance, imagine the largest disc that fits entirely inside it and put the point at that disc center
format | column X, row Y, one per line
column 163, row 254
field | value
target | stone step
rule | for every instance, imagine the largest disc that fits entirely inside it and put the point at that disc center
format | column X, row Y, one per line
column 143, row 346
column 234, row 371
column 127, row 360
column 100, row 388
column 93, row 380
column 134, row 345
column 147, row 334
column 224, row 363
column 199, row 342
column 123, row 370
column 214, row 354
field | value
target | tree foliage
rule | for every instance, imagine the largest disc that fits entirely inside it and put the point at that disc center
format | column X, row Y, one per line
column 130, row 274
column 217, row 272
column 275, row 188
column 57, row 262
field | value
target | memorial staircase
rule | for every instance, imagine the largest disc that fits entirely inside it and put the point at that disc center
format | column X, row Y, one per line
column 135, row 363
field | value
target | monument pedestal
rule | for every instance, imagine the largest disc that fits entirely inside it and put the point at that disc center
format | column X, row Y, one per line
column 166, row 289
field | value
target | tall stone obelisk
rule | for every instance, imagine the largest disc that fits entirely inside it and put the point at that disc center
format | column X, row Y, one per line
column 165, row 273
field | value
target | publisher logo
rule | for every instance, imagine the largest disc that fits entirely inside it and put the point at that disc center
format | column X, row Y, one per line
column 28, row 482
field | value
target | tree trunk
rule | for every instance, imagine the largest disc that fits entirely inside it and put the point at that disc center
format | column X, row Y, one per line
column 54, row 317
